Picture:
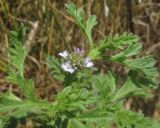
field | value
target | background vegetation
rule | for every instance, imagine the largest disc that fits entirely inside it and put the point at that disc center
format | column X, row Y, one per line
column 51, row 30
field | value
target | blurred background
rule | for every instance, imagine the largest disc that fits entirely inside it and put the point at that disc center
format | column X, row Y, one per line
column 51, row 30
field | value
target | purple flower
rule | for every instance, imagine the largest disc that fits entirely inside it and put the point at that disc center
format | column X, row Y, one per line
column 88, row 62
column 64, row 54
column 77, row 50
column 68, row 67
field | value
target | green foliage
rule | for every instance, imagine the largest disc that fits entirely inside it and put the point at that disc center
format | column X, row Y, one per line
column 54, row 64
column 118, row 41
column 131, row 50
column 17, row 54
column 115, row 43
column 89, row 98
column 91, row 22
column 78, row 15
column 13, row 106
column 128, row 88
column 73, row 99
column 27, row 87
column 144, row 64
column 75, row 124
column 128, row 119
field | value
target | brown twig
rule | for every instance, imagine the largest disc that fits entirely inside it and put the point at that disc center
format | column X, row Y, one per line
column 31, row 35
column 21, row 20
column 151, row 49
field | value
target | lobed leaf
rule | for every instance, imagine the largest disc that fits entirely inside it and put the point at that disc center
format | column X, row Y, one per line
column 128, row 119
column 54, row 65
column 125, row 90
column 85, row 27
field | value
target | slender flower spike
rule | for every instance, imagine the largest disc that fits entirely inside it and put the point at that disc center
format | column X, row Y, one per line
column 75, row 60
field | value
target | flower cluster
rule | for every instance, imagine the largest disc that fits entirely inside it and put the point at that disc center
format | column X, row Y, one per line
column 75, row 60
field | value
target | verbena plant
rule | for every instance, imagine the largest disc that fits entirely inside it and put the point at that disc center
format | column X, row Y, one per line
column 89, row 99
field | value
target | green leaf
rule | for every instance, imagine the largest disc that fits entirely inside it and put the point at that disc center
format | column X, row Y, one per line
column 17, row 52
column 85, row 27
column 146, row 69
column 115, row 43
column 99, row 83
column 111, row 82
column 127, row 88
column 104, row 85
column 131, row 50
column 14, row 106
column 73, row 123
column 128, row 119
column 54, row 65
column 91, row 22
column 141, row 63
column 12, row 75
column 77, row 14
column 27, row 86
column 70, row 99
column 97, row 115
column 142, row 81
column 144, row 66
column 1, row 123
column 118, row 41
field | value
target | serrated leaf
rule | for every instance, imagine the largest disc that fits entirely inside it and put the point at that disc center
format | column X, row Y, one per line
column 71, row 99
column 142, row 81
column 115, row 43
column 151, row 72
column 111, row 82
column 100, row 86
column 17, row 53
column 54, row 65
column 127, row 88
column 118, row 41
column 97, row 115
column 27, row 86
column 128, row 119
column 141, row 63
column 73, row 123
column 11, row 104
column 131, row 50
column 104, row 85
column 78, row 15
column 71, row 8
column 145, row 65
column 91, row 22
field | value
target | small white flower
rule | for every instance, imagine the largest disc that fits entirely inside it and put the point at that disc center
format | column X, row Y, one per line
column 87, row 62
column 67, row 67
column 64, row 54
